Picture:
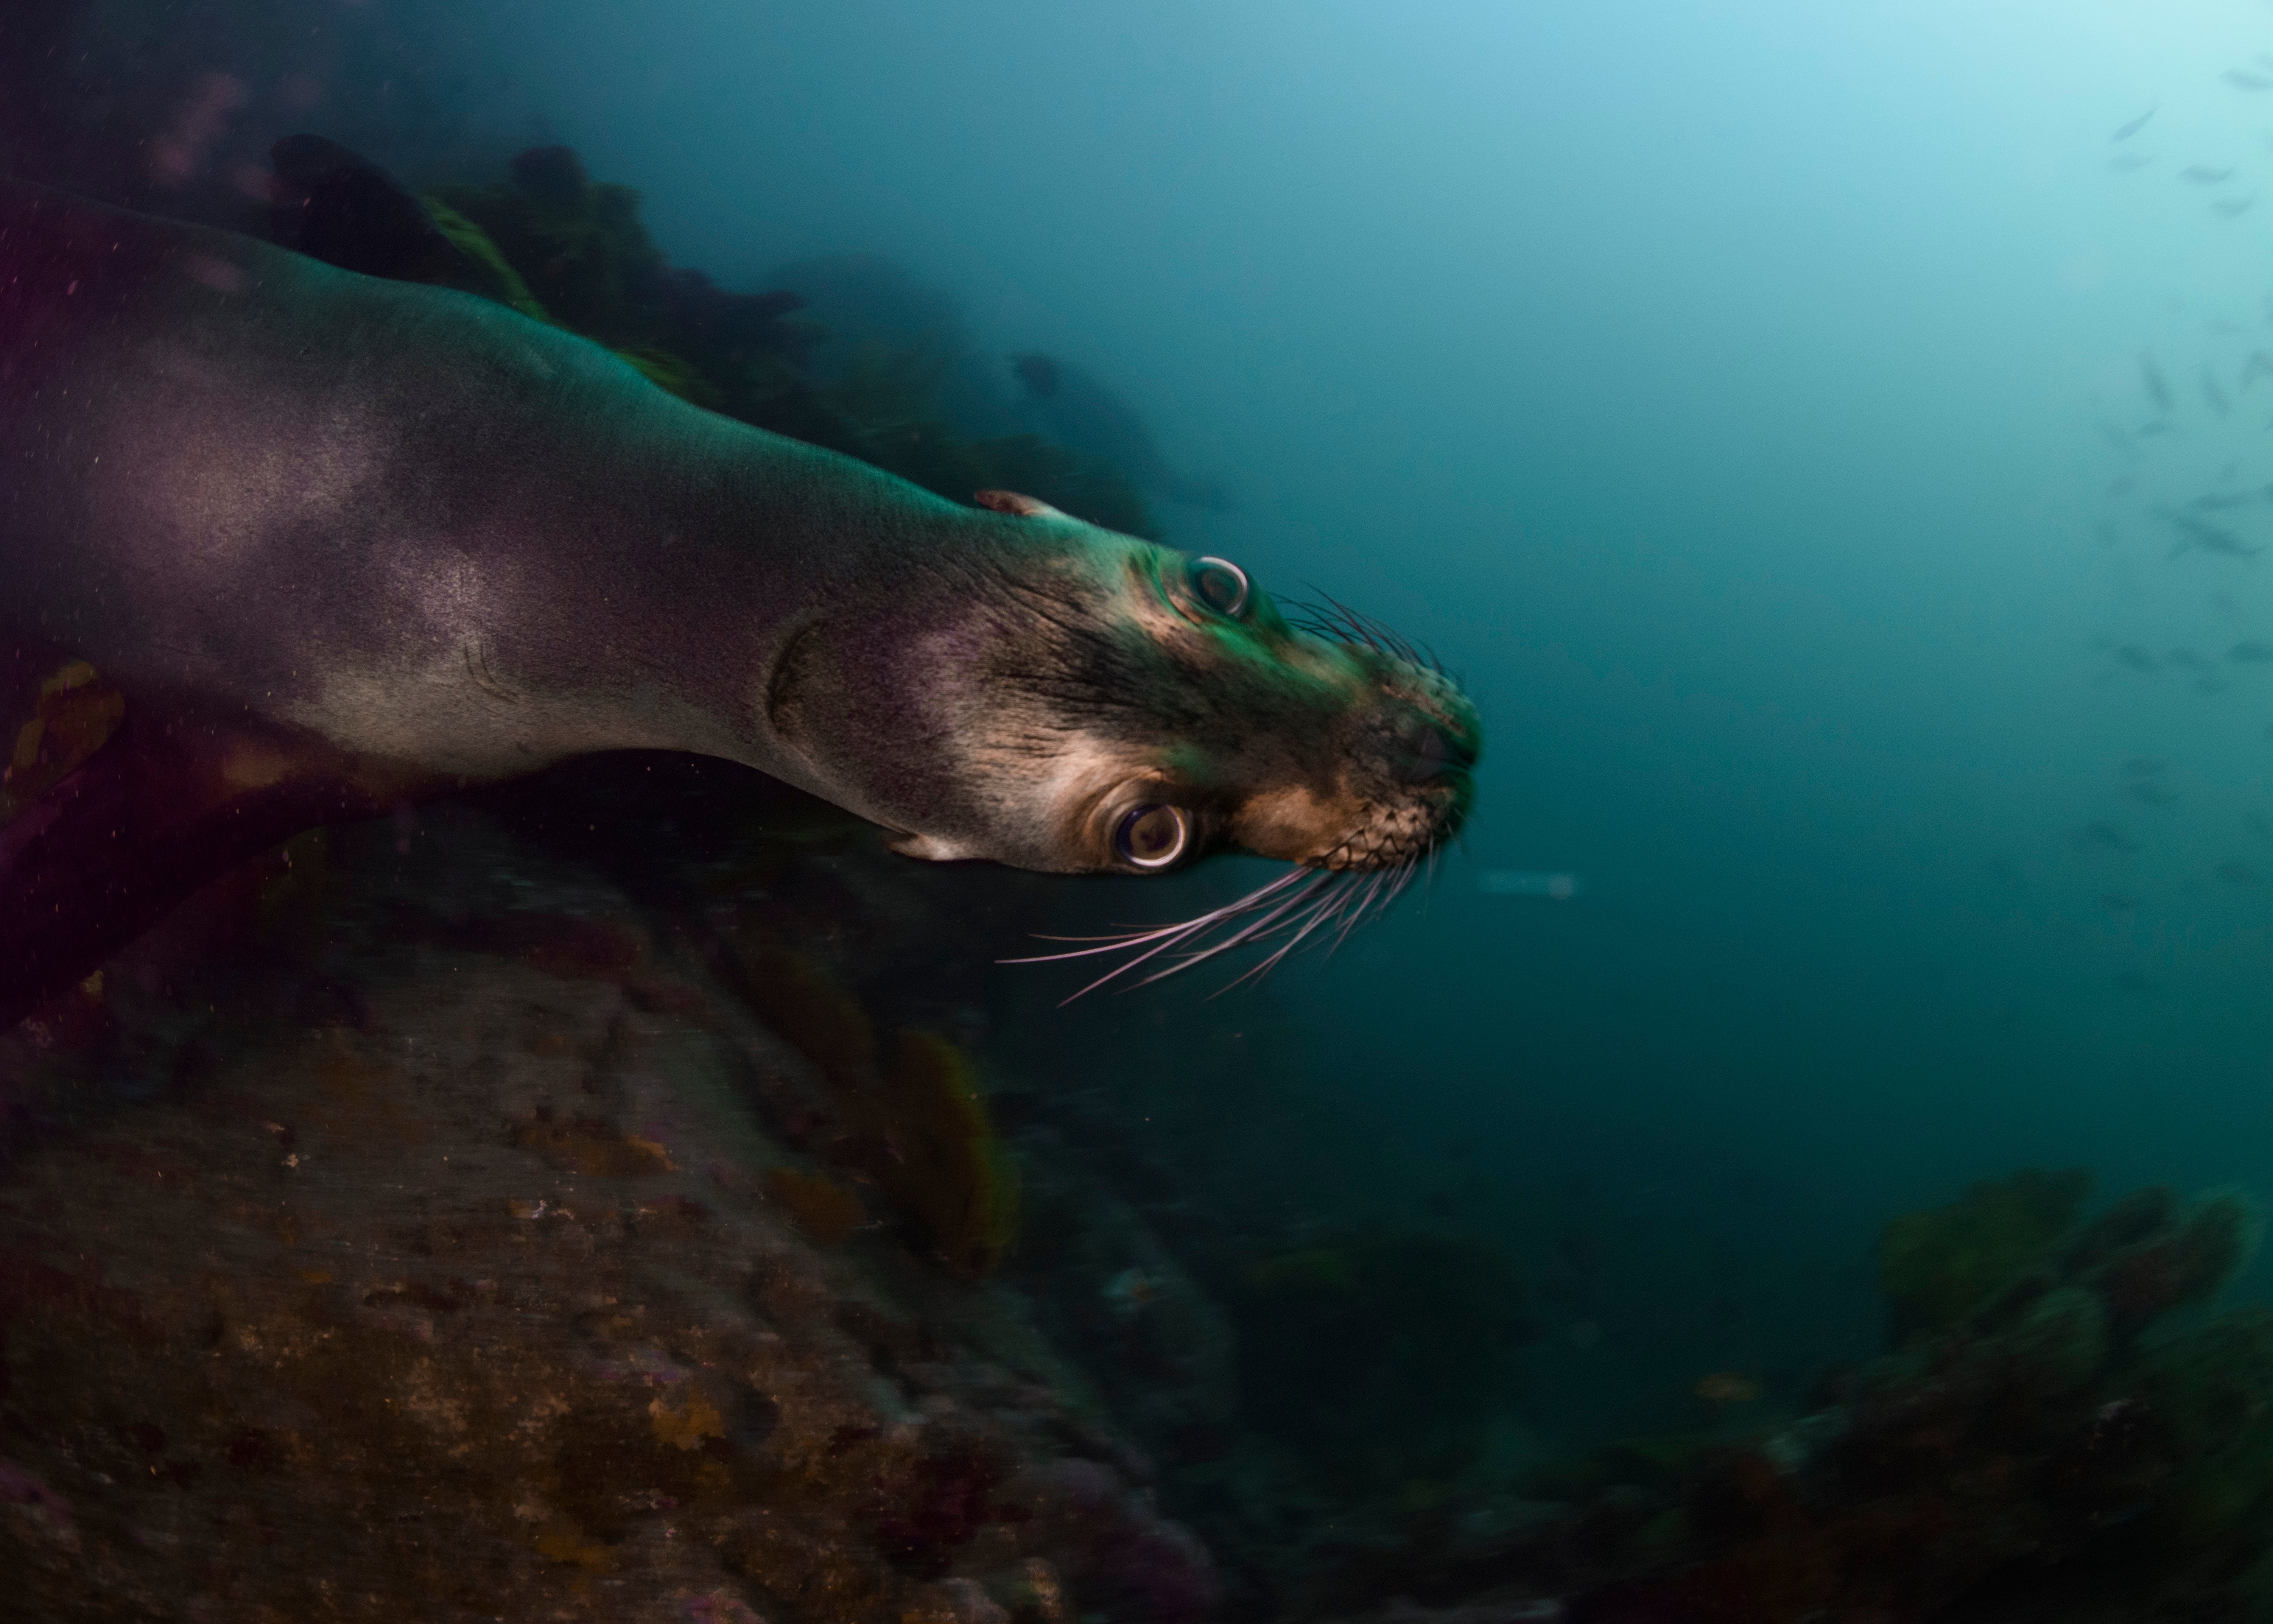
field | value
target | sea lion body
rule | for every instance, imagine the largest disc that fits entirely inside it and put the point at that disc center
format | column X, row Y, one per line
column 344, row 542
column 451, row 542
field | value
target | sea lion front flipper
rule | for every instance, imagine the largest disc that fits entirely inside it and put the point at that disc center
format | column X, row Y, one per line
column 163, row 807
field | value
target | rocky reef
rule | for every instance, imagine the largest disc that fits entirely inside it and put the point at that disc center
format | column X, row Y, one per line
column 426, row 1225
column 2087, row 1441
column 483, row 1212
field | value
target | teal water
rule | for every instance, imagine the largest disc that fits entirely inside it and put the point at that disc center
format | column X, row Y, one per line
column 1832, row 445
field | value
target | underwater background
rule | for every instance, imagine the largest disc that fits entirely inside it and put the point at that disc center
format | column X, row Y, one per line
column 1834, row 449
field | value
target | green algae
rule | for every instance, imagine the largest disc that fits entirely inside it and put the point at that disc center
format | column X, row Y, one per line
column 1939, row 1265
column 499, row 280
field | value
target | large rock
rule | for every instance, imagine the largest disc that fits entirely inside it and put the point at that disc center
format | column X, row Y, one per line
column 469, row 1266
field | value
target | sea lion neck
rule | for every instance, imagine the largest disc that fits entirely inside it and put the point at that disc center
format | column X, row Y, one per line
column 441, row 538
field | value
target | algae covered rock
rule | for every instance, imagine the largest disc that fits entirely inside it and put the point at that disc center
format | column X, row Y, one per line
column 1938, row 1265
column 475, row 1255
column 2215, row 1390
column 918, row 1128
column 578, row 247
column 2187, row 1257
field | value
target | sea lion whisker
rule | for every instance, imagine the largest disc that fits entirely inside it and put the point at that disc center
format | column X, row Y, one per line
column 1120, row 970
column 1313, row 890
column 1337, row 622
column 1388, row 883
column 1393, row 882
column 1332, row 898
column 1356, row 915
column 1375, row 632
column 1178, row 935
column 1404, row 873
column 1323, row 913
column 1269, row 923
column 1345, row 901
column 1248, row 903
column 1255, row 930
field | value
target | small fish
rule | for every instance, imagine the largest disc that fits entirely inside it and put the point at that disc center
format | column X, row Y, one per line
column 2257, row 823
column 2222, row 502
column 2186, row 659
column 2136, row 657
column 2230, row 208
column 2115, row 437
column 1727, row 1388
column 2134, row 126
column 2153, row 793
column 2156, row 427
column 2134, row 981
column 2202, row 175
column 2107, row 536
column 2116, row 902
column 2240, row 81
column 2105, row 836
column 2234, row 871
column 2158, row 389
column 2210, row 684
column 2211, row 393
column 2119, row 487
column 2130, row 161
column 2193, row 533
column 2252, row 653
column 2143, row 766
column 2259, row 364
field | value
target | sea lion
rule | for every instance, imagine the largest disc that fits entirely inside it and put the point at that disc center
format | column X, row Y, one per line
column 343, row 543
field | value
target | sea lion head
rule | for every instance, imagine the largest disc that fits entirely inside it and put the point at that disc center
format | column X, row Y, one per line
column 1066, row 698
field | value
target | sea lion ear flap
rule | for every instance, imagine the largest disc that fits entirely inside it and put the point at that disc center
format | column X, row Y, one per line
column 1011, row 501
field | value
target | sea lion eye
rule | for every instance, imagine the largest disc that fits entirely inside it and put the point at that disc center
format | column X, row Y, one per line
column 1153, row 836
column 1222, row 586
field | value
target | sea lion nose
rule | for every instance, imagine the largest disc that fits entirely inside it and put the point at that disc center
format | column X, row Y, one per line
column 1428, row 753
